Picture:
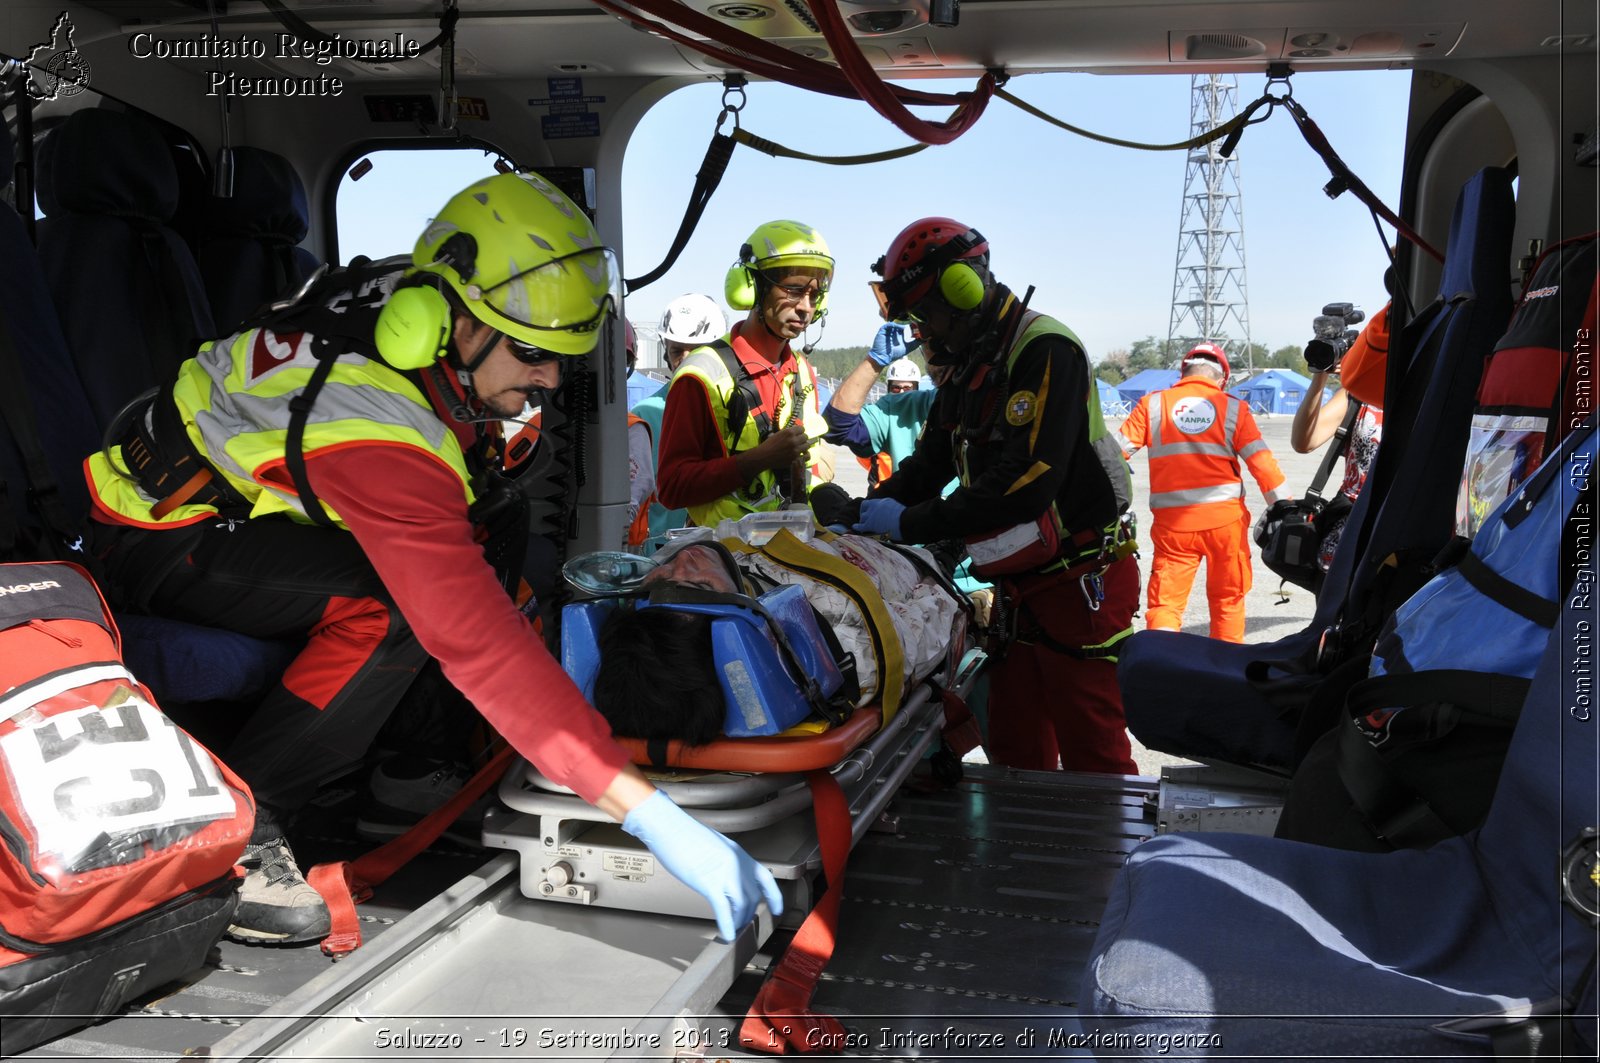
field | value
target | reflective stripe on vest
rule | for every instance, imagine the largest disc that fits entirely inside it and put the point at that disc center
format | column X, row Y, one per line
column 761, row 494
column 233, row 398
column 1189, row 471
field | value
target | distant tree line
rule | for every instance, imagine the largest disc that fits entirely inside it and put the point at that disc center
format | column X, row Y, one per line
column 1114, row 368
column 1151, row 353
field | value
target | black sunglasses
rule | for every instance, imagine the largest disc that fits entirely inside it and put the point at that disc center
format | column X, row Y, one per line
column 528, row 354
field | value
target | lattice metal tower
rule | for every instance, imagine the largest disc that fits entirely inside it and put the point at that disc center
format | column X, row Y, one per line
column 1209, row 300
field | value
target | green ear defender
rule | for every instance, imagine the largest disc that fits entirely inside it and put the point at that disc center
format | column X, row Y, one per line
column 413, row 327
column 961, row 286
column 739, row 287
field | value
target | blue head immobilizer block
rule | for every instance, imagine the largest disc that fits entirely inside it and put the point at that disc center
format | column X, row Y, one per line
column 762, row 696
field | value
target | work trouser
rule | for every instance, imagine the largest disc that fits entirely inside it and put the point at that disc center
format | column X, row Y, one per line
column 272, row 578
column 1048, row 705
column 1226, row 551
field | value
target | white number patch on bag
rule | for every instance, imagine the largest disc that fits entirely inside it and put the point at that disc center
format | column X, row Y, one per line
column 99, row 781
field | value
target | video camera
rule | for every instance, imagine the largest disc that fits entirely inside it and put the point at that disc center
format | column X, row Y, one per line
column 1332, row 336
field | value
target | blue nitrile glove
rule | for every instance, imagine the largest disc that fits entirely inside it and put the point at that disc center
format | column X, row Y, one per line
column 880, row 516
column 705, row 861
column 888, row 344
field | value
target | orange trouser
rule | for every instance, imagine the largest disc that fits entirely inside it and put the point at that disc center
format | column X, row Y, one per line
column 1226, row 551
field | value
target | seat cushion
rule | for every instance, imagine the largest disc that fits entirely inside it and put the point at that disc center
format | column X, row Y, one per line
column 183, row 663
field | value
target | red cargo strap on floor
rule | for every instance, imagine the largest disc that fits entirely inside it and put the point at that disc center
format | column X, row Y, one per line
column 780, row 1019
column 346, row 883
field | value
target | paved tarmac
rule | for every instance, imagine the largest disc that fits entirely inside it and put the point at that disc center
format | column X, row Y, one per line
column 1269, row 613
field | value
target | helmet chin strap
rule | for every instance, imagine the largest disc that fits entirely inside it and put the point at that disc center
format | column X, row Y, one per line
column 459, row 411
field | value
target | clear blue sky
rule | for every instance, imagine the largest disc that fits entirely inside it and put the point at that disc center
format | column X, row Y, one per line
column 1093, row 227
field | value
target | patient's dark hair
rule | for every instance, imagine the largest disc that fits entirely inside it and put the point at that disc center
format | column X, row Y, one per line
column 658, row 676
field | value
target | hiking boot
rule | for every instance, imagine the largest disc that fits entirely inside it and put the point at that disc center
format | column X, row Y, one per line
column 277, row 906
column 403, row 790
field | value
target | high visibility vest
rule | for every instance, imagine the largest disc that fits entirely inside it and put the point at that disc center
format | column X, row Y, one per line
column 1105, row 448
column 706, row 365
column 233, row 398
column 1197, row 435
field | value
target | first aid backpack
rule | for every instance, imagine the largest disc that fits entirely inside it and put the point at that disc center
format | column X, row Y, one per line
column 121, row 832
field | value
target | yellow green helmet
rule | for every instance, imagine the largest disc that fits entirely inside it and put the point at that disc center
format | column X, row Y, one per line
column 524, row 259
column 787, row 245
column 772, row 248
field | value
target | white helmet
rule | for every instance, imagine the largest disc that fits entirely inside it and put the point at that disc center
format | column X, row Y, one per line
column 903, row 369
column 692, row 319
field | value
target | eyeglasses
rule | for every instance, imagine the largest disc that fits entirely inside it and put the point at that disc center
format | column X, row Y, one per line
column 793, row 293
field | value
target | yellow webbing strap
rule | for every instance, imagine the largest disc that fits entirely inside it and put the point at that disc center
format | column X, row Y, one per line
column 794, row 555
column 773, row 148
column 1207, row 137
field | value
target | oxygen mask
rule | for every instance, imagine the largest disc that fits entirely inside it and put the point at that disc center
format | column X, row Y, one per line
column 608, row 573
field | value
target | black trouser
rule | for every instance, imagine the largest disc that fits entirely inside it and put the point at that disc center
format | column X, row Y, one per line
column 275, row 579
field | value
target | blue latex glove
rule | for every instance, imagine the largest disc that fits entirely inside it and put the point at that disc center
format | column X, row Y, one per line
column 705, row 861
column 888, row 344
column 880, row 516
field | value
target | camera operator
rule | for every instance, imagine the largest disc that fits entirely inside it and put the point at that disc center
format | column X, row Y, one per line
column 1360, row 361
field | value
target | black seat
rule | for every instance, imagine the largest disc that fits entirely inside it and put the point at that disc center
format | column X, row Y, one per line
column 124, row 283
column 50, row 388
column 250, row 254
column 181, row 663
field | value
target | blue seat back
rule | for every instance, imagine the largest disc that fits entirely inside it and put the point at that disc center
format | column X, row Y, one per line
column 249, row 253
column 761, row 694
column 1406, row 510
column 1278, row 948
column 124, row 283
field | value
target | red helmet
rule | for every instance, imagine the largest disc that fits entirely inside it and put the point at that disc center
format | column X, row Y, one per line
column 630, row 343
column 916, row 260
column 1208, row 352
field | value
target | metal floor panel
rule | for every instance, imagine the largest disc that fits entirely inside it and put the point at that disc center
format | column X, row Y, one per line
column 964, row 933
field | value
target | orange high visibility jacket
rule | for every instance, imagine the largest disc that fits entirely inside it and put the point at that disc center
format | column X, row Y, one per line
column 1197, row 434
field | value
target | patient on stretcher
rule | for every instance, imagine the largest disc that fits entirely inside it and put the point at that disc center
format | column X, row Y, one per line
column 658, row 677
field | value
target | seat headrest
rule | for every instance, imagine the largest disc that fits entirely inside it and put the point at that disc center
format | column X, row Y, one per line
column 268, row 201
column 107, row 162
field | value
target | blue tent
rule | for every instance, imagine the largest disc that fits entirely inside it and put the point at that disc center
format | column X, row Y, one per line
column 1112, row 404
column 1144, row 382
column 642, row 386
column 1274, row 391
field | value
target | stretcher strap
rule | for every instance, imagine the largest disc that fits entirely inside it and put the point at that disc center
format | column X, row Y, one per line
column 961, row 731
column 780, row 1019
column 344, row 884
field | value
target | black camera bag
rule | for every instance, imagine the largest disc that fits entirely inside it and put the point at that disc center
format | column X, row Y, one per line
column 1291, row 532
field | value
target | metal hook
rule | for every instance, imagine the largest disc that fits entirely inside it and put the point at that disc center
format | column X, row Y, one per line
column 733, row 98
column 1279, row 74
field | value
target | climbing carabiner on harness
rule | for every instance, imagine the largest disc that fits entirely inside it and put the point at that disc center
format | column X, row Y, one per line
column 1094, row 589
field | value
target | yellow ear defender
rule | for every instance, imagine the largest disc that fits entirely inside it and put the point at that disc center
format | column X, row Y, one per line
column 739, row 286
column 413, row 328
column 961, row 286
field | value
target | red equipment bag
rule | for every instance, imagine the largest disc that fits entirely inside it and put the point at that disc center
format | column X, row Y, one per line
column 1539, row 382
column 120, row 831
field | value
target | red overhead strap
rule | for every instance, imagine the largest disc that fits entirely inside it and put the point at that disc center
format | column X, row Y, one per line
column 346, row 883
column 881, row 96
column 780, row 1019
column 743, row 51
